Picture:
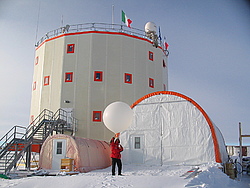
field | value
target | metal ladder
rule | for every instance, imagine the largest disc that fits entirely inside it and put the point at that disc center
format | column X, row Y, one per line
column 17, row 142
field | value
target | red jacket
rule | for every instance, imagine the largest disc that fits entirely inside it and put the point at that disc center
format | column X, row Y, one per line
column 115, row 148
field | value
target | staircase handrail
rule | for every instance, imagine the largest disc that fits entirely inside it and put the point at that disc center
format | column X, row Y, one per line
column 14, row 158
column 27, row 137
column 62, row 114
column 12, row 134
column 44, row 115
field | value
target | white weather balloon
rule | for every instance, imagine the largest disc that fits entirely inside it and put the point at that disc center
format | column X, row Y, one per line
column 117, row 116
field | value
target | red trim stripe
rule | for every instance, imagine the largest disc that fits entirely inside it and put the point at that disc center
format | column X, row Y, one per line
column 214, row 137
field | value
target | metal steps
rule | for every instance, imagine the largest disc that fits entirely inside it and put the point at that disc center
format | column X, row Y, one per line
column 16, row 144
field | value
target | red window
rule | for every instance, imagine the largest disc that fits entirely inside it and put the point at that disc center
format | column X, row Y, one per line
column 36, row 60
column 151, row 82
column 69, row 77
column 128, row 78
column 151, row 56
column 70, row 48
column 46, row 80
column 98, row 75
column 34, row 86
column 97, row 116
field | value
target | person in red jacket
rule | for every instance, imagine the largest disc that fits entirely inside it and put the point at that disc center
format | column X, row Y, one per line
column 116, row 150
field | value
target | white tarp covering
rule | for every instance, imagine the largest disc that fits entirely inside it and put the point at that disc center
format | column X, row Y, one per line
column 170, row 128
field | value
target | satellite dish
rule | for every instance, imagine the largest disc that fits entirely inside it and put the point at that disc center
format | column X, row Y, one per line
column 151, row 32
column 150, row 27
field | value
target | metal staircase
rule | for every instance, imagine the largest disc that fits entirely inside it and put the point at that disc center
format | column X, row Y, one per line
column 17, row 142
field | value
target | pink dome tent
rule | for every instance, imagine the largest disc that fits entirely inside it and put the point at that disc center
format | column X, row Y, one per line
column 87, row 154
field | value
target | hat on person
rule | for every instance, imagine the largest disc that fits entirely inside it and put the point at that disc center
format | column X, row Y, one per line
column 117, row 140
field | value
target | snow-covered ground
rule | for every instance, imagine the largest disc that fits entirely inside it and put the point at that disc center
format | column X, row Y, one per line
column 134, row 176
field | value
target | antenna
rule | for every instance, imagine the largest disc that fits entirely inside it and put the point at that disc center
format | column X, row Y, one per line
column 38, row 17
column 113, row 8
column 62, row 21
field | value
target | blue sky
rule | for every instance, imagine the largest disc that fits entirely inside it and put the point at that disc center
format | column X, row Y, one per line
column 209, row 48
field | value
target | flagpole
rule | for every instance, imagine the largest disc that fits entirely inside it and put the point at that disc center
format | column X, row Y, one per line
column 62, row 21
column 38, row 17
column 113, row 7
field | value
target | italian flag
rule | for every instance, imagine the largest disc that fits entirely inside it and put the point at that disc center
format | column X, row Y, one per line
column 125, row 19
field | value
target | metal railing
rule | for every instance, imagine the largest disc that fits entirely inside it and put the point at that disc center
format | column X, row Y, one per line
column 16, row 141
column 16, row 132
column 45, row 115
column 92, row 27
column 70, row 123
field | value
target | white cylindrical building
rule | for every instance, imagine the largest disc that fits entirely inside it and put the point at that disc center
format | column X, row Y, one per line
column 83, row 69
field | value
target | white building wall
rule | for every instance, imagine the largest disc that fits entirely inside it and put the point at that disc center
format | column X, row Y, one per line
column 113, row 54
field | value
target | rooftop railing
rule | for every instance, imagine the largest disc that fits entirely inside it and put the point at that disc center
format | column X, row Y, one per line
column 91, row 27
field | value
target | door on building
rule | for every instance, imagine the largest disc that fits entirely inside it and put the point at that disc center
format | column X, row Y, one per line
column 137, row 149
column 69, row 115
column 59, row 152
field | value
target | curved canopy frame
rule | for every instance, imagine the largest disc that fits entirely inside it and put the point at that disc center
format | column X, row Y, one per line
column 211, row 126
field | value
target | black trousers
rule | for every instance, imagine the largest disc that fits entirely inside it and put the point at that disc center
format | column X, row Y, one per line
column 119, row 165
